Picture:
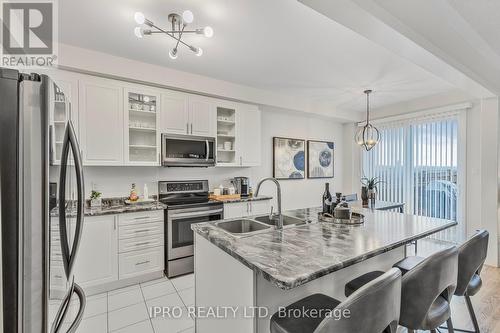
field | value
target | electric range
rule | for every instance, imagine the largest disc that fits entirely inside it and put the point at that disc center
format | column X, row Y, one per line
column 187, row 203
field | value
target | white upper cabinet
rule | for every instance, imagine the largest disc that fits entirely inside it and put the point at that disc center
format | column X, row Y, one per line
column 201, row 116
column 174, row 115
column 63, row 106
column 187, row 114
column 120, row 123
column 141, row 126
column 101, row 115
column 238, row 135
column 249, row 135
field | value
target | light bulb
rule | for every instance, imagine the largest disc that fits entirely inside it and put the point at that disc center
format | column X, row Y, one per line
column 199, row 52
column 208, row 31
column 187, row 16
column 173, row 54
column 138, row 32
column 139, row 18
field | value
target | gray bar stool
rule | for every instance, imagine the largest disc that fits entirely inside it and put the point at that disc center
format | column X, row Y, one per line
column 373, row 308
column 426, row 292
column 471, row 257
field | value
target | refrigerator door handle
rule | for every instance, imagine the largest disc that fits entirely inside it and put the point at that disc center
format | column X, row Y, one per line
column 69, row 256
column 81, row 296
column 63, row 310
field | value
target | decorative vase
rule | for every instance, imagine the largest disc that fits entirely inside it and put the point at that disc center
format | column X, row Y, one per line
column 372, row 195
column 96, row 203
column 364, row 195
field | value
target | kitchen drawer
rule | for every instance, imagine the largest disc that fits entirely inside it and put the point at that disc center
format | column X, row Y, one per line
column 140, row 243
column 141, row 262
column 140, row 230
column 140, row 217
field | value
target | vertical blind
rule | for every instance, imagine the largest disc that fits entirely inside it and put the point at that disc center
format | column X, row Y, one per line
column 417, row 163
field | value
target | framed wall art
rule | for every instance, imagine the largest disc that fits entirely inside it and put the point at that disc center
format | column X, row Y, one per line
column 320, row 159
column 289, row 158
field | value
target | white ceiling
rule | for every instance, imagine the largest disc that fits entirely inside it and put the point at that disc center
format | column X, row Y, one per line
column 279, row 45
column 484, row 17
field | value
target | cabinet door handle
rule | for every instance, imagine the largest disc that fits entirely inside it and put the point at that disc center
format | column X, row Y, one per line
column 114, row 223
column 143, row 262
column 191, row 128
column 141, row 217
column 241, row 160
column 187, row 128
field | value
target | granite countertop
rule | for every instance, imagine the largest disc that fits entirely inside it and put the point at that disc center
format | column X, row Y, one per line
column 299, row 254
column 117, row 208
column 243, row 199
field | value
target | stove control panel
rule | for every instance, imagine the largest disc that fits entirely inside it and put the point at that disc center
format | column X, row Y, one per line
column 195, row 186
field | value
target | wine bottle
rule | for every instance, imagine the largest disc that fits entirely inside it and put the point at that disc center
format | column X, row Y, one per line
column 327, row 200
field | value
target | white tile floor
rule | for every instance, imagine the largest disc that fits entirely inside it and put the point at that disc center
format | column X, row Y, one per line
column 127, row 310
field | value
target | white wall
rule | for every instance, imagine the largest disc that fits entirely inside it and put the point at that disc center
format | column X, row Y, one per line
column 116, row 181
column 300, row 193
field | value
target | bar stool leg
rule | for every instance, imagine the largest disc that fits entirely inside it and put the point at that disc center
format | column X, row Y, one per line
column 471, row 313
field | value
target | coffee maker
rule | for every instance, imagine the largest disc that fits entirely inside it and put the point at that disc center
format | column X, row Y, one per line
column 242, row 186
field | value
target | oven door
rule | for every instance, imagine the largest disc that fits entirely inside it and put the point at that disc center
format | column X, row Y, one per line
column 180, row 237
column 187, row 150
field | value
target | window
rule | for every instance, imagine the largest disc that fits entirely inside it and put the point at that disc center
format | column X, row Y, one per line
column 418, row 162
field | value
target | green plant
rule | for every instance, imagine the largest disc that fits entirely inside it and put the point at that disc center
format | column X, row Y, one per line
column 371, row 182
column 95, row 195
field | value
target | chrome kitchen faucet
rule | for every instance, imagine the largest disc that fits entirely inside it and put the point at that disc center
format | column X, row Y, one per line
column 279, row 225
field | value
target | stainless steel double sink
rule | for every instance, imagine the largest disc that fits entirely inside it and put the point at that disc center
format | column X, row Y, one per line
column 249, row 226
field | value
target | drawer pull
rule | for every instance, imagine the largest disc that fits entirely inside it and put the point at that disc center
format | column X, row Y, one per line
column 143, row 243
column 144, row 230
column 143, row 262
column 58, row 276
column 141, row 217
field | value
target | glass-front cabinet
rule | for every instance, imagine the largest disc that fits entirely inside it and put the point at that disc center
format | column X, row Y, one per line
column 142, row 139
column 226, row 135
column 60, row 96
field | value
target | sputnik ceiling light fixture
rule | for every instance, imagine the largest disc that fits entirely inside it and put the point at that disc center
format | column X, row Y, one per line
column 367, row 136
column 178, row 24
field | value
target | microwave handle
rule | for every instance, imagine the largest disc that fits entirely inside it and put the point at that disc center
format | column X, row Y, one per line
column 208, row 150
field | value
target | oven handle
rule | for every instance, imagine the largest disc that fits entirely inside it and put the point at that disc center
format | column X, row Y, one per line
column 196, row 214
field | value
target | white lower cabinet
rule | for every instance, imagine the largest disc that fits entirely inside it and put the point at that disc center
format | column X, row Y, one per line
column 141, row 262
column 247, row 208
column 97, row 259
column 116, row 247
column 259, row 207
column 141, row 244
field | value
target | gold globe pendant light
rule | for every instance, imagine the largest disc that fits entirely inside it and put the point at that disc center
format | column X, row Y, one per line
column 367, row 136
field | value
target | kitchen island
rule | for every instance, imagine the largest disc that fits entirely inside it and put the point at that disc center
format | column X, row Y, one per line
column 272, row 268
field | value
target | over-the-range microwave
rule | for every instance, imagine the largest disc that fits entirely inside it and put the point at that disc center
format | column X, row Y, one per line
column 187, row 151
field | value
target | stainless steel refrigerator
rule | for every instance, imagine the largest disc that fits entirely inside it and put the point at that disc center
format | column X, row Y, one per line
column 42, row 206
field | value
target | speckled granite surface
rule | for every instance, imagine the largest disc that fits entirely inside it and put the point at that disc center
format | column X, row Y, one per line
column 296, row 255
column 114, row 209
column 242, row 199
